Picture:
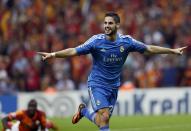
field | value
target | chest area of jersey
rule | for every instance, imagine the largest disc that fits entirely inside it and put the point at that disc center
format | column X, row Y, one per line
column 112, row 53
column 30, row 122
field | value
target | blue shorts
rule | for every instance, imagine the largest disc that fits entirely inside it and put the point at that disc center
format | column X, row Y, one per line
column 102, row 98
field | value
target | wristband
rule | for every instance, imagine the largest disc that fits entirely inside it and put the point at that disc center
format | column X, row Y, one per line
column 53, row 54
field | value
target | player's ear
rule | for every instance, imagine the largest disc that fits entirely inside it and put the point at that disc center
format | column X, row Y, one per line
column 118, row 25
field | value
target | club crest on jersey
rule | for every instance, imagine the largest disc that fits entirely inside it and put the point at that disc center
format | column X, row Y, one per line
column 98, row 102
column 122, row 49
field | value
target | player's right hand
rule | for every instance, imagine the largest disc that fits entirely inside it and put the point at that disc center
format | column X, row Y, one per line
column 45, row 55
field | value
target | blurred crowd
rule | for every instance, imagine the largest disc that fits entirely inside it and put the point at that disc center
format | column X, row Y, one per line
column 28, row 26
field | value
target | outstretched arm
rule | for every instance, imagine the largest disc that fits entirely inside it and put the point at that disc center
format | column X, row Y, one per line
column 162, row 50
column 59, row 54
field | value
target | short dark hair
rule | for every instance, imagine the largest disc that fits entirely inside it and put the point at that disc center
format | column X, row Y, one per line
column 114, row 15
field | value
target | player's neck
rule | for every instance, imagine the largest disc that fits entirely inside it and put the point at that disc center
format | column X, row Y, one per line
column 30, row 115
column 111, row 37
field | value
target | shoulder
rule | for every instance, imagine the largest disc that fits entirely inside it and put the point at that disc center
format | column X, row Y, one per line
column 129, row 39
column 98, row 37
column 41, row 113
column 124, row 36
column 20, row 112
column 13, row 115
column 93, row 39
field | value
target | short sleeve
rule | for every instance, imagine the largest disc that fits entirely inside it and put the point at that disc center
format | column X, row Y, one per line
column 87, row 47
column 137, row 46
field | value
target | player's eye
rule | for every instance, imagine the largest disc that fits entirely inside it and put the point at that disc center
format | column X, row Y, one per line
column 110, row 23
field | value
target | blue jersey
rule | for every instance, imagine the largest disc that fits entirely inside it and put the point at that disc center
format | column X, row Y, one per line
column 108, row 58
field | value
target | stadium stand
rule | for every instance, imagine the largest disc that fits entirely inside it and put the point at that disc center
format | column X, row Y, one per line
column 27, row 26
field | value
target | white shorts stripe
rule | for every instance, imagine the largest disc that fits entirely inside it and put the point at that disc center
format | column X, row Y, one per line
column 92, row 98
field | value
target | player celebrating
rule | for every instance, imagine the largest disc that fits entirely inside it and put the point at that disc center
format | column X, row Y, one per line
column 27, row 120
column 109, row 52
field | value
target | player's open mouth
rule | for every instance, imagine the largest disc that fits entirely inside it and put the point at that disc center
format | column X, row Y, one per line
column 107, row 29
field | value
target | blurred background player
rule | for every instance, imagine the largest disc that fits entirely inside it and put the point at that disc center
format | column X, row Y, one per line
column 14, row 125
column 31, row 119
column 109, row 52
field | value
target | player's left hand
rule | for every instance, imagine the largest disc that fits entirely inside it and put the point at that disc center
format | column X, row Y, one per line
column 180, row 51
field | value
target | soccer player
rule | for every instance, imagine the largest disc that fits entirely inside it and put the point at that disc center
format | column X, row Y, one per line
column 109, row 52
column 27, row 120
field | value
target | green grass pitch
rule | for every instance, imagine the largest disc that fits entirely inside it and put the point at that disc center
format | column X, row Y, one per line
column 131, row 123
